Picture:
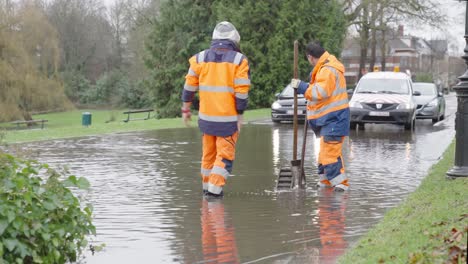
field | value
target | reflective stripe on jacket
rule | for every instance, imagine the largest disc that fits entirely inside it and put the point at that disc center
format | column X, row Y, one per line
column 221, row 76
column 327, row 98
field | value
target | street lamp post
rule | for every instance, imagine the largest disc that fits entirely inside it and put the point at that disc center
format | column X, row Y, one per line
column 460, row 168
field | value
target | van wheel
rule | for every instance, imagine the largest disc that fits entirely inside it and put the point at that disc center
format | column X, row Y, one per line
column 353, row 125
column 361, row 126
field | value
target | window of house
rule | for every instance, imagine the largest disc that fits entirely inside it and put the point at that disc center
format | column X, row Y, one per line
column 404, row 61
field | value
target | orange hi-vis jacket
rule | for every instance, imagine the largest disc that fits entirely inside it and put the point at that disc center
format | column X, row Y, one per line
column 327, row 98
column 327, row 88
column 221, row 76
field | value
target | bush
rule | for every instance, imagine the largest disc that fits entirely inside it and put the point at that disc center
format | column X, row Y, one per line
column 134, row 95
column 75, row 84
column 41, row 220
column 423, row 77
column 114, row 88
column 106, row 90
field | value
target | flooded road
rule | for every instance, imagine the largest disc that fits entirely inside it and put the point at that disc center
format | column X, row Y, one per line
column 149, row 208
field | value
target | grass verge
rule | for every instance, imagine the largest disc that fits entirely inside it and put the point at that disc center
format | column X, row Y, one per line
column 68, row 125
column 430, row 226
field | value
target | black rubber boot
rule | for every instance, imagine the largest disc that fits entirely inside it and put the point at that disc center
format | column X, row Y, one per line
column 214, row 195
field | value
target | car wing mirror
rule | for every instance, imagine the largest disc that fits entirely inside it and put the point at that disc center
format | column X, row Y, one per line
column 416, row 93
column 277, row 95
column 440, row 94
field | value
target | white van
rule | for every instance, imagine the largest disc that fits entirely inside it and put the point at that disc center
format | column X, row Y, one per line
column 383, row 97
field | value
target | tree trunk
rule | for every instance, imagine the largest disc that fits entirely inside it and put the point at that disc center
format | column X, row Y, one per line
column 373, row 36
column 364, row 35
column 383, row 50
column 383, row 45
column 373, row 49
column 27, row 116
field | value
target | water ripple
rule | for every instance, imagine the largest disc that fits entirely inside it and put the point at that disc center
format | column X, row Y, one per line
column 148, row 205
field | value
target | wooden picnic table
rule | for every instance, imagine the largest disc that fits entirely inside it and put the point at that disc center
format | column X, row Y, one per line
column 128, row 113
column 28, row 122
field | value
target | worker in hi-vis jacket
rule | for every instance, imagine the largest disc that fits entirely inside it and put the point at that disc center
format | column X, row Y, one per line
column 327, row 113
column 221, row 76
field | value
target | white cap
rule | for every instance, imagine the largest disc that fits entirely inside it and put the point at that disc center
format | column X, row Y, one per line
column 226, row 30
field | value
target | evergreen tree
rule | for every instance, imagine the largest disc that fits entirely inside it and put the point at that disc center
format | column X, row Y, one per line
column 267, row 29
column 304, row 21
column 183, row 29
column 256, row 22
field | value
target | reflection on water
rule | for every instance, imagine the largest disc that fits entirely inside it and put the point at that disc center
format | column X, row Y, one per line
column 218, row 236
column 331, row 215
column 146, row 193
column 276, row 147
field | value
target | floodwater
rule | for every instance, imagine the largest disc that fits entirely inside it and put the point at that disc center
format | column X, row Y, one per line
column 149, row 207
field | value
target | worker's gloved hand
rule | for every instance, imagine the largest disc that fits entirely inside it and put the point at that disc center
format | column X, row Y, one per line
column 240, row 120
column 295, row 83
column 186, row 116
column 299, row 85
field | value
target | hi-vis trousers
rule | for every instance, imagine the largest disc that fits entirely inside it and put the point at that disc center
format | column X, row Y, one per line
column 331, row 166
column 217, row 159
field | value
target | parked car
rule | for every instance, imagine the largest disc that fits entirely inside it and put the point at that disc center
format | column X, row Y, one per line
column 431, row 103
column 283, row 108
column 384, row 97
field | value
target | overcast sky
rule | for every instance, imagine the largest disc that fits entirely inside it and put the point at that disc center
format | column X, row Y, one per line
column 454, row 31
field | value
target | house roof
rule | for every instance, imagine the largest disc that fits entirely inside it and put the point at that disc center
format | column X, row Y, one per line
column 395, row 43
column 439, row 45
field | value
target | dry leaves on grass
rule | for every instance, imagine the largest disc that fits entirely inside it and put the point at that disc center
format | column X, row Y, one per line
column 456, row 254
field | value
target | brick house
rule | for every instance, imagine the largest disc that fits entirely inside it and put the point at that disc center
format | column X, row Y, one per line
column 409, row 53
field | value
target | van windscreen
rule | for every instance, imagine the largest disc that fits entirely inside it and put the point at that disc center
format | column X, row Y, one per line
column 390, row 86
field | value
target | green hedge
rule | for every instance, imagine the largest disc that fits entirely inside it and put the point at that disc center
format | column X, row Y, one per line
column 41, row 220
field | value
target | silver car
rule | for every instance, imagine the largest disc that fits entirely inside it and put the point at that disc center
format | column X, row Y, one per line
column 282, row 108
column 431, row 103
column 383, row 97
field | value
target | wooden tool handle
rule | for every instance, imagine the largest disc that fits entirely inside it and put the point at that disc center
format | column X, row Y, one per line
column 296, row 58
column 295, row 74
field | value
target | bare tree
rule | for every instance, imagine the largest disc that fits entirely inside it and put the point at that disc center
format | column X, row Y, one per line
column 132, row 21
column 373, row 16
column 117, row 19
column 85, row 35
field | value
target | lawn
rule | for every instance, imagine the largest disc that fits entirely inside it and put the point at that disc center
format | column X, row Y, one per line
column 430, row 226
column 68, row 124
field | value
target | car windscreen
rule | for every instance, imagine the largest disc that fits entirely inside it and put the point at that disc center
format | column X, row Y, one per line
column 389, row 86
column 288, row 92
column 425, row 88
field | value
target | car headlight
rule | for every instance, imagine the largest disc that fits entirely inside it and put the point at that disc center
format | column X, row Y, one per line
column 404, row 106
column 433, row 103
column 276, row 106
column 355, row 104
